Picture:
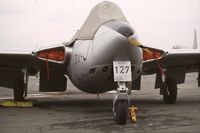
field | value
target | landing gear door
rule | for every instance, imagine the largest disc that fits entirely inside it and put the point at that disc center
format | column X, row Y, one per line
column 56, row 82
column 122, row 71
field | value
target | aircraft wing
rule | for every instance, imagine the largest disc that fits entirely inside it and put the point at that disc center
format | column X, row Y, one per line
column 37, row 59
column 49, row 62
column 175, row 63
column 16, row 60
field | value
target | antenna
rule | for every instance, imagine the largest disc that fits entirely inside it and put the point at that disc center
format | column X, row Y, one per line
column 195, row 43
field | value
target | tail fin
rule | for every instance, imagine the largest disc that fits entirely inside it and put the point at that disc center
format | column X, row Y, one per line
column 195, row 43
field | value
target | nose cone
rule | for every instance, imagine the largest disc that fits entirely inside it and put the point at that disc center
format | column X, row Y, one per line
column 111, row 43
column 121, row 27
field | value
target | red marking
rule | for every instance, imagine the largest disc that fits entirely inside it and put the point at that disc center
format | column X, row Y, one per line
column 160, row 68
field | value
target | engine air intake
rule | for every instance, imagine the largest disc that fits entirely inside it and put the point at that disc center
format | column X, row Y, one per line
column 55, row 54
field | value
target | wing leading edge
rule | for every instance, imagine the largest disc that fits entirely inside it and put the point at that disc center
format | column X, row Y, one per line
column 15, row 68
column 16, row 60
column 176, row 64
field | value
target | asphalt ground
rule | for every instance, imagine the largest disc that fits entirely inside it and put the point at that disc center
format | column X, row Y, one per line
column 74, row 111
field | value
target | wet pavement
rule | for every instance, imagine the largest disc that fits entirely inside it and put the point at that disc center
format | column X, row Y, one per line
column 74, row 111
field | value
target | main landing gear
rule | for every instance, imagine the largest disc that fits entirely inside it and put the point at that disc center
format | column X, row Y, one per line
column 120, row 104
column 20, row 86
column 169, row 91
column 18, row 90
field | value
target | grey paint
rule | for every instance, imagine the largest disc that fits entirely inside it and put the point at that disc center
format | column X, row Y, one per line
column 90, row 67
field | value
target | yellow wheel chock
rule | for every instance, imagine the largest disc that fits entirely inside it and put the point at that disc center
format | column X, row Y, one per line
column 12, row 103
column 132, row 113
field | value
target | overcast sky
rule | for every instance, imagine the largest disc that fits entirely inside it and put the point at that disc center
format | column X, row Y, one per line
column 30, row 24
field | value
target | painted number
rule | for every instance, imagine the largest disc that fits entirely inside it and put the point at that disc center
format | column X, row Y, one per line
column 121, row 69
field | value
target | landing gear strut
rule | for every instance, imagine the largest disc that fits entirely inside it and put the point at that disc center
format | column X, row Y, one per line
column 120, row 104
column 18, row 90
column 170, row 91
column 20, row 86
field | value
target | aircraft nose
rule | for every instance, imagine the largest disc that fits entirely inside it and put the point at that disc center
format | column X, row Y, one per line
column 112, row 39
column 121, row 27
column 126, row 30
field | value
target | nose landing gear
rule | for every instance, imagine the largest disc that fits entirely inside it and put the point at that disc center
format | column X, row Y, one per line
column 120, row 104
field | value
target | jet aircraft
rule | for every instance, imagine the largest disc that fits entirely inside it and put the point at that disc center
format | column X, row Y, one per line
column 103, row 55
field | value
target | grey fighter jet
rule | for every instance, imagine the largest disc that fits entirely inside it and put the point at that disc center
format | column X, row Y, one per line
column 103, row 55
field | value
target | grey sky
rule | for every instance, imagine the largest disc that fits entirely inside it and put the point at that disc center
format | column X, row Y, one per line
column 29, row 24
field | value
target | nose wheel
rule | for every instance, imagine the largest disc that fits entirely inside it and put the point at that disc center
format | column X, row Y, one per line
column 120, row 104
column 121, row 112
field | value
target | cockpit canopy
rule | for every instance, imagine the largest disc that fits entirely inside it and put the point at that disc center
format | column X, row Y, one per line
column 101, row 13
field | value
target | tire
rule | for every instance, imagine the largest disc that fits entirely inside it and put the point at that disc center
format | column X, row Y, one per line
column 18, row 90
column 121, row 112
column 171, row 87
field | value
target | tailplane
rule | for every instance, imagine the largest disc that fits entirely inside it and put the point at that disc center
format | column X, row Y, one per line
column 194, row 46
column 195, row 43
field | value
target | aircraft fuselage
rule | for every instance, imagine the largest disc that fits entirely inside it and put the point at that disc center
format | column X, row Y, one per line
column 91, row 63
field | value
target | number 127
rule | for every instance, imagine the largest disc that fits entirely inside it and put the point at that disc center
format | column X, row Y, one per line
column 122, row 69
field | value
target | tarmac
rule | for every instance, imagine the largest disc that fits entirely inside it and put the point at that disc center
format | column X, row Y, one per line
column 74, row 111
